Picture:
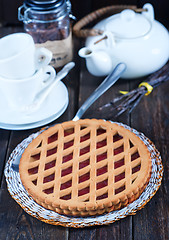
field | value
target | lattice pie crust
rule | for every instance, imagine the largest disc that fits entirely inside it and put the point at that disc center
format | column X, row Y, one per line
column 85, row 167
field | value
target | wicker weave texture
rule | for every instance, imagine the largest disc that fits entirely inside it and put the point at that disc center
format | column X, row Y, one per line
column 21, row 196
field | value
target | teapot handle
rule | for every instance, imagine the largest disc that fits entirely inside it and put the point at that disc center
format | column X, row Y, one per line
column 77, row 28
column 149, row 13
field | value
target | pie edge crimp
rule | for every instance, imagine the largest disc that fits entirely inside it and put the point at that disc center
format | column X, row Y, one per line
column 119, row 200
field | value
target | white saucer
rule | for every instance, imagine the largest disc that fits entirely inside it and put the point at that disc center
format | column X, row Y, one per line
column 35, row 124
column 52, row 107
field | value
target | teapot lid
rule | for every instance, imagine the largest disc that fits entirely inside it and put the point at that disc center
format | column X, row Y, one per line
column 128, row 24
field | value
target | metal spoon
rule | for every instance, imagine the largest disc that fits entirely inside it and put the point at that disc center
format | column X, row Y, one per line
column 103, row 87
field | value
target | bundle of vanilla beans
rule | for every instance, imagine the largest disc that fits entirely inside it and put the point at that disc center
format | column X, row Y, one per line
column 128, row 101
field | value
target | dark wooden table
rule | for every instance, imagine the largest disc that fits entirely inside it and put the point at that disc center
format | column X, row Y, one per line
column 151, row 117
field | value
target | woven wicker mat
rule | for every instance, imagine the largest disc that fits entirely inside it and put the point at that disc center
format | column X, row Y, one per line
column 21, row 196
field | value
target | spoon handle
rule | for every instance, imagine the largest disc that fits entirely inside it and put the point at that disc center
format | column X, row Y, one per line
column 103, row 87
column 60, row 75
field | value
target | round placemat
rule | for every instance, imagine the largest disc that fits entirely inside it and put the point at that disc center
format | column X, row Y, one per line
column 18, row 192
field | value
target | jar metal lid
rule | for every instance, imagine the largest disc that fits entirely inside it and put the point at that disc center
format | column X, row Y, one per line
column 41, row 5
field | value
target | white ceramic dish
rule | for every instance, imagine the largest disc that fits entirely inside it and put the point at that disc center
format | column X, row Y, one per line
column 35, row 124
column 52, row 107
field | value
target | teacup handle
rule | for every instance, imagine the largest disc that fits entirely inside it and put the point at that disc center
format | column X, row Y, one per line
column 43, row 56
column 49, row 75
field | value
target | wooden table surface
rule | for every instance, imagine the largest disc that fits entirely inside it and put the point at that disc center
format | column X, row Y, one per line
column 151, row 117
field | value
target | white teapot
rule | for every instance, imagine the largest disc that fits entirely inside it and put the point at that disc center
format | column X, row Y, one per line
column 136, row 39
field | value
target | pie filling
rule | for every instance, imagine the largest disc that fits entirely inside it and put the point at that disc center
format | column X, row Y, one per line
column 84, row 164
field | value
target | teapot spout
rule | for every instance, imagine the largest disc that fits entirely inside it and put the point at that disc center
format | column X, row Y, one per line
column 98, row 62
column 85, row 52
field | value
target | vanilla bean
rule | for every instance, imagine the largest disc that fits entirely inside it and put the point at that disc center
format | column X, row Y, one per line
column 131, row 99
column 119, row 113
column 123, row 96
column 135, row 103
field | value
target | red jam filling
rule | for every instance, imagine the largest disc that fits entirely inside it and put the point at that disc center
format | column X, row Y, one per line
column 68, row 132
column 102, row 184
column 120, row 189
column 66, row 197
column 66, row 185
column 50, row 164
column 119, row 163
column 67, row 158
column 119, row 177
column 119, row 150
column 53, row 138
column 66, row 171
column 102, row 170
column 83, row 191
column 49, row 178
column 68, row 144
column 36, row 157
column 117, row 137
column 100, row 131
column 105, row 195
column 34, row 182
column 101, row 157
column 85, row 163
column 84, row 150
column 49, row 190
column 101, row 143
column 136, row 169
column 32, row 171
column 85, row 137
column 135, row 156
column 51, row 151
column 84, row 177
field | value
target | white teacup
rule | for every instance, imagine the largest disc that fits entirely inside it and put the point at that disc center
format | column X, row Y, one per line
column 19, row 58
column 21, row 93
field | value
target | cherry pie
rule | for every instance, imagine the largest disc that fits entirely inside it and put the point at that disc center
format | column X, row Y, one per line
column 85, row 167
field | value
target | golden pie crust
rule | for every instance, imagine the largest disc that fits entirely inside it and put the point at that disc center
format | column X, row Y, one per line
column 86, row 167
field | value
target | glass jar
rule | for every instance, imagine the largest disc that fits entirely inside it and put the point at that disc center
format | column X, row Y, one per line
column 48, row 22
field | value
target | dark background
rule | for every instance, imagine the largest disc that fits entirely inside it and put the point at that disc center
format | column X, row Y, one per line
column 151, row 116
column 8, row 9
